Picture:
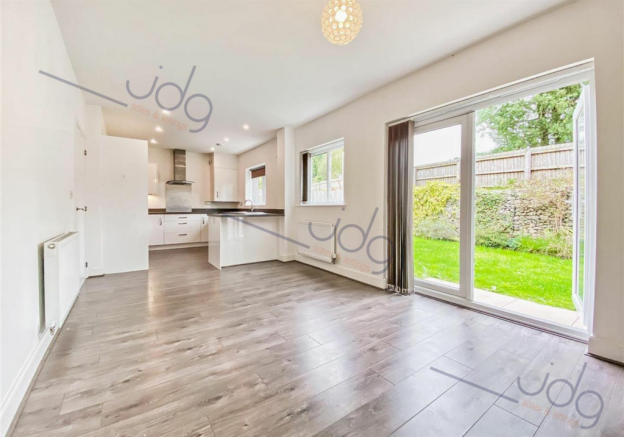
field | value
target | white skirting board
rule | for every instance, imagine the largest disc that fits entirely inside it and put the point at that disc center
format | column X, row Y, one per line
column 21, row 386
column 375, row 281
column 606, row 348
column 286, row 258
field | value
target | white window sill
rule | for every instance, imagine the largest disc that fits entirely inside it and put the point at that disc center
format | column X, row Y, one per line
column 322, row 204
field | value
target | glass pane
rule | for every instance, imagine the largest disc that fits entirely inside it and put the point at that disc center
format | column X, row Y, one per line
column 319, row 178
column 524, row 193
column 336, row 193
column 254, row 190
column 261, row 190
column 581, row 193
column 436, row 205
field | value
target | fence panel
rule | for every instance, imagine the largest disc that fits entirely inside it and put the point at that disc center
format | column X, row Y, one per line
column 498, row 169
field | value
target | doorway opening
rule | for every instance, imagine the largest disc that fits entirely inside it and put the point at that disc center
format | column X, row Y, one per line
column 501, row 205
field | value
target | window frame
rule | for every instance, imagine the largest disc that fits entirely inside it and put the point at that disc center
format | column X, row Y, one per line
column 319, row 150
column 249, row 185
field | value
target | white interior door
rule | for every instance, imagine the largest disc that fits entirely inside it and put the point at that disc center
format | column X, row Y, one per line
column 581, row 139
column 79, row 198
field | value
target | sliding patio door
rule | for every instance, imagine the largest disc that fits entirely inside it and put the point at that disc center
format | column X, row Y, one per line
column 443, row 246
column 581, row 138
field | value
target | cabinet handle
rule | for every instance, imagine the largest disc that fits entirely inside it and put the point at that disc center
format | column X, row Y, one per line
column 217, row 194
column 182, row 235
column 160, row 222
column 182, row 217
column 182, row 223
column 203, row 221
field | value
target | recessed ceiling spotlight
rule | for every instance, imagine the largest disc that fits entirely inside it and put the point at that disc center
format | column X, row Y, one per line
column 246, row 126
column 159, row 129
column 212, row 149
column 226, row 139
column 153, row 141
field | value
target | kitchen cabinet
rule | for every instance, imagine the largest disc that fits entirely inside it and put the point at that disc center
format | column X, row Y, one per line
column 183, row 228
column 223, row 178
column 204, row 228
column 124, row 208
column 225, row 185
column 156, row 224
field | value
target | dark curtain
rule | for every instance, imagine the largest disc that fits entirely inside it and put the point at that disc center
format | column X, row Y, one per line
column 399, row 208
column 304, row 176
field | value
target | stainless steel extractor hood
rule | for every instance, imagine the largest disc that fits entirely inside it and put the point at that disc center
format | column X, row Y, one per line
column 179, row 168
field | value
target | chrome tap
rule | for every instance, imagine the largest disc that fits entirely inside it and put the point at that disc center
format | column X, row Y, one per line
column 245, row 203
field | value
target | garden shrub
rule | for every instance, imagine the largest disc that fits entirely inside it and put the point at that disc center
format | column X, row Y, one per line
column 529, row 216
column 431, row 199
column 437, row 229
column 557, row 244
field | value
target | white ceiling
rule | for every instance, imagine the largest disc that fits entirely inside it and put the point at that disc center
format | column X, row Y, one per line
column 264, row 63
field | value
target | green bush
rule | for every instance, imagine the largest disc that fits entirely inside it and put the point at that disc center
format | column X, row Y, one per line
column 431, row 199
column 557, row 244
column 437, row 229
column 436, row 215
column 489, row 237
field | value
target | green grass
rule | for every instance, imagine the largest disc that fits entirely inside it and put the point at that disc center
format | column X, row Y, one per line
column 538, row 278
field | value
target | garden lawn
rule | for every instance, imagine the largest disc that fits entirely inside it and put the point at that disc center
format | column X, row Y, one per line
column 538, row 278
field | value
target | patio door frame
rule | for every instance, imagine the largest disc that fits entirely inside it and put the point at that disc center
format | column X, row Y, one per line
column 581, row 72
column 466, row 203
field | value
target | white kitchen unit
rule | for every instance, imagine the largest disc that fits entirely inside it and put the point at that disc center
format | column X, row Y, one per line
column 123, row 185
column 182, row 228
column 176, row 229
column 156, row 223
column 240, row 240
column 223, row 178
column 204, row 228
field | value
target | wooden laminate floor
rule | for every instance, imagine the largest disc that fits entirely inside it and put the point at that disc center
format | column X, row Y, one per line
column 278, row 349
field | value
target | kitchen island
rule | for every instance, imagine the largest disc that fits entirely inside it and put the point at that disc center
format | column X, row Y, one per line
column 237, row 237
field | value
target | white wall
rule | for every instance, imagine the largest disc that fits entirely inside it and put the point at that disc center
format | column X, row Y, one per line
column 265, row 153
column 575, row 32
column 197, row 170
column 36, row 181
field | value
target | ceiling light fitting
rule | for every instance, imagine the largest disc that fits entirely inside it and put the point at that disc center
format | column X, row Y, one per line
column 341, row 21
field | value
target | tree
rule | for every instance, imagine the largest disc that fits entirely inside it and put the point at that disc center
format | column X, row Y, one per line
column 539, row 120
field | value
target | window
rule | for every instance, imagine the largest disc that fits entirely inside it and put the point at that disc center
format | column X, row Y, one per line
column 256, row 185
column 323, row 174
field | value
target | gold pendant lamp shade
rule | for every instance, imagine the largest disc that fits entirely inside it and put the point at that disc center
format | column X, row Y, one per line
column 341, row 21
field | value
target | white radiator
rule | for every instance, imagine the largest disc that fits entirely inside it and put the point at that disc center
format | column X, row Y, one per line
column 61, row 271
column 320, row 239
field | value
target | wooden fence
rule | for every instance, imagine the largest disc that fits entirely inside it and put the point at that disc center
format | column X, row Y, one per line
column 497, row 169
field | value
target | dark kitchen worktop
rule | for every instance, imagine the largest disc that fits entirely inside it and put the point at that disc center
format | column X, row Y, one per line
column 222, row 212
